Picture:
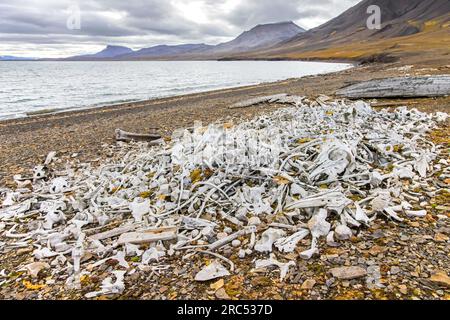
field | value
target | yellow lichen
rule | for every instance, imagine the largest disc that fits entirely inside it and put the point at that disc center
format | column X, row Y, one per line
column 31, row 286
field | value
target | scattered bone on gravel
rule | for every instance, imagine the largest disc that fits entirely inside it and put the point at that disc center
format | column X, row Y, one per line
column 318, row 170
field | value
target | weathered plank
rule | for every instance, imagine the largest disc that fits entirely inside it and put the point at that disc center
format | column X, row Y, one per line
column 430, row 86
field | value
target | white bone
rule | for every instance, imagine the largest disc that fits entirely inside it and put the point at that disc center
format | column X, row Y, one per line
column 139, row 209
column 288, row 245
column 416, row 214
column 268, row 238
column 58, row 185
column 284, row 267
column 212, row 271
column 152, row 254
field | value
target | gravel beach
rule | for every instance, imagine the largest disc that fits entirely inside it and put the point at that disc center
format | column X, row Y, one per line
column 413, row 256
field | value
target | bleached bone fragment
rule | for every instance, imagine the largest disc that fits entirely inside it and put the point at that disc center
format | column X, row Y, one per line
column 52, row 218
column 120, row 258
column 21, row 183
column 441, row 116
column 222, row 242
column 193, row 223
column 391, row 212
column 268, row 238
column 114, row 232
column 110, row 287
column 128, row 136
column 132, row 250
column 58, row 185
column 288, row 245
column 376, row 179
column 361, row 216
column 308, row 254
column 330, row 240
column 421, row 165
column 213, row 271
column 381, row 202
column 236, row 243
column 51, row 155
column 403, row 173
column 139, row 209
column 39, row 173
column 15, row 210
column 44, row 253
column 254, row 221
column 284, row 267
column 153, row 254
column 36, row 267
column 416, row 214
column 332, row 200
column 10, row 199
column 343, row 232
column 149, row 236
column 318, row 224
column 207, row 232
column 334, row 159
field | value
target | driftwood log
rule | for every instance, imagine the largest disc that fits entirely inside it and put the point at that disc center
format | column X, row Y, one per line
column 128, row 136
column 401, row 87
column 258, row 100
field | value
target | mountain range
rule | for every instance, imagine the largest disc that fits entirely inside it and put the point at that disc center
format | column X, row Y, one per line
column 261, row 36
column 409, row 27
column 13, row 58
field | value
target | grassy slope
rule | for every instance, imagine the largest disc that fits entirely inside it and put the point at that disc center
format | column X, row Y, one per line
column 434, row 39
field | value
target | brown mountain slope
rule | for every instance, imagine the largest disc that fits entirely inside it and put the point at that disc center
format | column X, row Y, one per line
column 408, row 27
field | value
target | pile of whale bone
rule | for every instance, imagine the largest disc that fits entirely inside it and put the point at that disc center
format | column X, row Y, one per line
column 323, row 168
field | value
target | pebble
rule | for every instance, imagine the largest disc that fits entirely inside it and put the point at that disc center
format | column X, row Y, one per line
column 403, row 289
column 348, row 273
column 222, row 235
column 221, row 294
column 228, row 230
column 395, row 270
column 195, row 233
column 236, row 243
column 343, row 232
column 254, row 221
column 441, row 278
column 308, row 284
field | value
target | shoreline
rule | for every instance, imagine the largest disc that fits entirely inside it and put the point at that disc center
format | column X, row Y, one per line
column 120, row 104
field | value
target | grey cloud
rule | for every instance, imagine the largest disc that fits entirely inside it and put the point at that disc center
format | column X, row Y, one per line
column 149, row 22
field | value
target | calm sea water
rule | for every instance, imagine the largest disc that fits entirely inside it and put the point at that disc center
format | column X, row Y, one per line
column 28, row 88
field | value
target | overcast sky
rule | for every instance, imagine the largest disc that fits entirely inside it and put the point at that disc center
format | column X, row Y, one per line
column 39, row 28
